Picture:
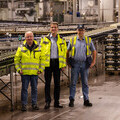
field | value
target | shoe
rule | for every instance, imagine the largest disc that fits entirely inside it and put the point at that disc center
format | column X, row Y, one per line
column 23, row 108
column 47, row 105
column 71, row 104
column 87, row 103
column 35, row 107
column 58, row 106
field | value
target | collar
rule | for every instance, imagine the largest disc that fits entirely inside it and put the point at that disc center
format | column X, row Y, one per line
column 34, row 46
column 79, row 39
column 52, row 36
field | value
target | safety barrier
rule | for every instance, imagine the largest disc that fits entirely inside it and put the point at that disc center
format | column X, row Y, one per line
column 9, row 69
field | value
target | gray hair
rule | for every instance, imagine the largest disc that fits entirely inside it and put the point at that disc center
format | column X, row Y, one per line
column 29, row 32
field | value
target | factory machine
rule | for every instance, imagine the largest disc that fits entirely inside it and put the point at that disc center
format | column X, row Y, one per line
column 112, row 53
column 8, row 49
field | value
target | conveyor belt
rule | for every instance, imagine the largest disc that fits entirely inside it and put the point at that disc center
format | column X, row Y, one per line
column 98, row 32
column 7, row 57
column 7, row 61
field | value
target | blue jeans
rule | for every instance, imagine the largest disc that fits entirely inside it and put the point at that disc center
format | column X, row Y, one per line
column 79, row 67
column 33, row 79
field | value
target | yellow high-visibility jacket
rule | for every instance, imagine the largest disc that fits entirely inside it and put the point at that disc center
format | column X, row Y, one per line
column 28, row 62
column 73, row 43
column 46, row 50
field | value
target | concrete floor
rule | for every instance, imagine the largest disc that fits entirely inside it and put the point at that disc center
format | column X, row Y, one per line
column 104, row 94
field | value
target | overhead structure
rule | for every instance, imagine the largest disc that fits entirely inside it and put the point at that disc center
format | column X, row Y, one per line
column 119, row 12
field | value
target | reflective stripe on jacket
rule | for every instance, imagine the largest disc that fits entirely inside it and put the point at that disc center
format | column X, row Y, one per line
column 28, row 62
column 46, row 51
column 73, row 43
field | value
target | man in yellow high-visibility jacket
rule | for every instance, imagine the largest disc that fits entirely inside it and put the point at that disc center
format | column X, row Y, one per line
column 53, row 46
column 81, row 47
column 28, row 65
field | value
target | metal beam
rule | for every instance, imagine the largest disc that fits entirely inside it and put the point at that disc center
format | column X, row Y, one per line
column 119, row 12
column 74, row 10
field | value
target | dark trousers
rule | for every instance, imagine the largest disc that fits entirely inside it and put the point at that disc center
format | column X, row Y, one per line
column 54, row 68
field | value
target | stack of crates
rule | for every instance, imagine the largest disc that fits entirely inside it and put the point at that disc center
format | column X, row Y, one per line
column 118, row 53
column 112, row 52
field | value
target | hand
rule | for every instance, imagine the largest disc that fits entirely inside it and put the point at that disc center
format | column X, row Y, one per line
column 92, row 64
column 68, row 63
column 39, row 72
column 20, row 72
column 63, row 68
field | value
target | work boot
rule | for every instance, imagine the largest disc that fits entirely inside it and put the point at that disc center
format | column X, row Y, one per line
column 23, row 108
column 87, row 103
column 71, row 104
column 47, row 105
column 35, row 107
column 58, row 106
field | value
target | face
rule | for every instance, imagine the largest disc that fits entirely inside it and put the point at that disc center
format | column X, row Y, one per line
column 29, row 38
column 54, row 29
column 80, row 32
